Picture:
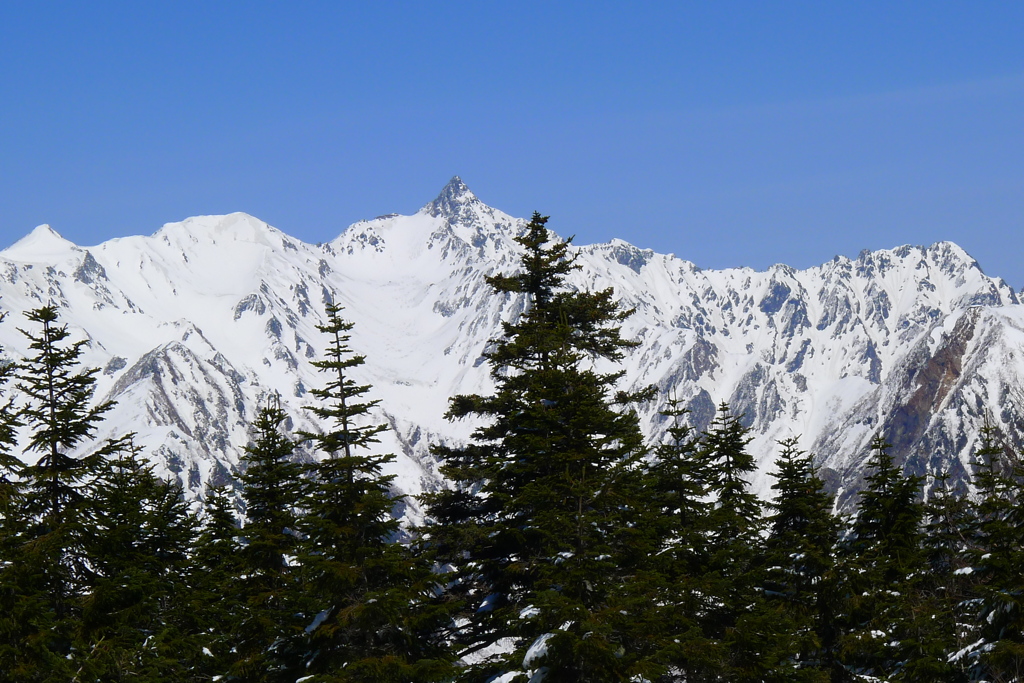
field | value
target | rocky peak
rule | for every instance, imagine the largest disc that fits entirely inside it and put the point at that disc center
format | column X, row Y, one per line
column 453, row 200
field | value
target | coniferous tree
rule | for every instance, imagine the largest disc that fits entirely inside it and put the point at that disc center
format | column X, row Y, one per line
column 997, row 564
column 941, row 621
column 10, row 465
column 538, row 525
column 267, row 586
column 799, row 564
column 677, row 484
column 50, row 569
column 215, row 598
column 734, row 527
column 737, row 510
column 139, row 550
column 369, row 618
column 676, row 489
column 12, row 523
column 883, row 564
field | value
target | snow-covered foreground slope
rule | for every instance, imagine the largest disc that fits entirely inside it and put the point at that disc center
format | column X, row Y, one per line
column 195, row 325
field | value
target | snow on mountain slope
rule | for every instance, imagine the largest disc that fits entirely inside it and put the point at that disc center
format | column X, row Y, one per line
column 196, row 324
column 801, row 353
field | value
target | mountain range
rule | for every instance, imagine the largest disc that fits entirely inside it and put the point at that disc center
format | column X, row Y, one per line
column 196, row 325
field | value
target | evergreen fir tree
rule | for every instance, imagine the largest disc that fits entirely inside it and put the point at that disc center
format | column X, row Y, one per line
column 997, row 564
column 50, row 569
column 736, row 512
column 940, row 621
column 677, row 484
column 799, row 565
column 139, row 550
column 676, row 489
column 884, row 562
column 267, row 587
column 12, row 523
column 216, row 601
column 539, row 525
column 369, row 618
column 734, row 527
column 10, row 465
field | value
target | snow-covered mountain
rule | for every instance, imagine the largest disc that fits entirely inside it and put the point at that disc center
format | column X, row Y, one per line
column 195, row 325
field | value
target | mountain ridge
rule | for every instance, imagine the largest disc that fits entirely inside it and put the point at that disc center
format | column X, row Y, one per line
column 227, row 307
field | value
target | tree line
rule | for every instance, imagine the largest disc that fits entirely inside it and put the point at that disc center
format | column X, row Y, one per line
column 564, row 547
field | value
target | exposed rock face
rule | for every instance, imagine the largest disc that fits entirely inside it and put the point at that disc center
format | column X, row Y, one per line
column 196, row 324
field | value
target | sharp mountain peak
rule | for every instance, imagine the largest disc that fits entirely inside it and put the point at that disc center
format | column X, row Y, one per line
column 452, row 200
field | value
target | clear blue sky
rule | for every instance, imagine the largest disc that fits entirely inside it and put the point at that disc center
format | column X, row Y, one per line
column 728, row 133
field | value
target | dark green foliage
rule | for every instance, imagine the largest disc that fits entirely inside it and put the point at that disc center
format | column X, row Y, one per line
column 11, row 488
column 676, row 489
column 538, row 526
column 10, row 465
column 49, row 569
column 802, row 531
column 134, row 619
column 735, row 519
column 942, row 622
column 887, row 530
column 342, row 403
column 57, row 396
column 996, row 559
column 799, row 568
column 217, row 549
column 734, row 565
column 18, row 620
column 368, row 617
column 57, row 411
column 267, row 589
column 883, row 563
column 272, row 486
column 215, row 597
column 677, row 513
